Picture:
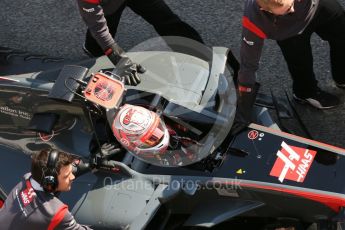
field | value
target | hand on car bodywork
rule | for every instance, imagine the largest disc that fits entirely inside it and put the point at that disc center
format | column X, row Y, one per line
column 80, row 167
column 245, row 102
column 108, row 150
column 125, row 68
column 101, row 159
column 129, row 71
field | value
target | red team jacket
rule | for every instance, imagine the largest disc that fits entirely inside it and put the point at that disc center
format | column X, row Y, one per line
column 31, row 209
column 258, row 25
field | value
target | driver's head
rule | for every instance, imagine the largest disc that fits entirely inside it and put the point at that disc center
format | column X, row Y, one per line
column 53, row 170
column 277, row 7
column 140, row 130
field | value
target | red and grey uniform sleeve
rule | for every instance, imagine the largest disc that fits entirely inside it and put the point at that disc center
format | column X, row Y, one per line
column 63, row 220
column 251, row 48
column 93, row 15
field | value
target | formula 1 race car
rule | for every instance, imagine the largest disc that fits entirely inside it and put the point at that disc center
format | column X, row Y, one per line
column 179, row 166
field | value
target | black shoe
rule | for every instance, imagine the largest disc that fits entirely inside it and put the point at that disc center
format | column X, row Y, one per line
column 340, row 85
column 320, row 99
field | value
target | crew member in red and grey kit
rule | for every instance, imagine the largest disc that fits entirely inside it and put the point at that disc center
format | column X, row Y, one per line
column 102, row 18
column 291, row 23
column 32, row 204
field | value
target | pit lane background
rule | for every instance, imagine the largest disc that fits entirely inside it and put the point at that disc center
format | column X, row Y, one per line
column 54, row 28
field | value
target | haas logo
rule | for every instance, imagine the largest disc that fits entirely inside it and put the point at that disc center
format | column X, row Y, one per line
column 27, row 196
column 293, row 163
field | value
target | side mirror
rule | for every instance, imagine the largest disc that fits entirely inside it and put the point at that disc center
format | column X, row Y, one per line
column 66, row 83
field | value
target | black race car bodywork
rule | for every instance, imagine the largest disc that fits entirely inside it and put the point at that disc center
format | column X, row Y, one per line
column 261, row 174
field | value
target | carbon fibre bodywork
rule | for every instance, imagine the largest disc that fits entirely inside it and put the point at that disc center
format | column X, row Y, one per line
column 260, row 173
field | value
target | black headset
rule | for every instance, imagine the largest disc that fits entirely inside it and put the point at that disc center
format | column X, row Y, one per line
column 49, row 173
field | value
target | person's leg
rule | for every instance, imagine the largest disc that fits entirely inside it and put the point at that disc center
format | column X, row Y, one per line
column 331, row 27
column 91, row 44
column 160, row 16
column 298, row 56
column 337, row 55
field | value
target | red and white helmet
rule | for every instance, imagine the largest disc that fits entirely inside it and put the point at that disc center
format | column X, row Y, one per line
column 140, row 130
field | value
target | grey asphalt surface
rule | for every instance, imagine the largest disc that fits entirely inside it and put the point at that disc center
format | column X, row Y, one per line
column 54, row 28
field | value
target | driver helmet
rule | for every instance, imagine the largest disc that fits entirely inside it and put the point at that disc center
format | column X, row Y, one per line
column 140, row 130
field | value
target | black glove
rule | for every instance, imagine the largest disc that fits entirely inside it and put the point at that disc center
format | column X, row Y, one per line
column 100, row 160
column 125, row 68
column 80, row 167
column 245, row 102
column 109, row 150
column 128, row 70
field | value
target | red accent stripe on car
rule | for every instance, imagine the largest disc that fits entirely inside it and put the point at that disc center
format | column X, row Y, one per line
column 58, row 217
column 333, row 202
column 298, row 138
column 93, row 1
column 1, row 203
column 7, row 79
column 253, row 28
